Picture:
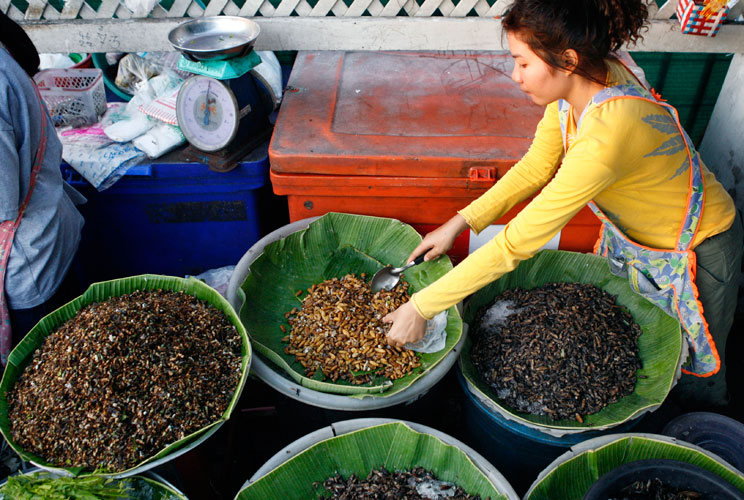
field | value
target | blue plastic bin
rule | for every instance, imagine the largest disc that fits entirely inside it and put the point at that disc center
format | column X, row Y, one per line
column 170, row 218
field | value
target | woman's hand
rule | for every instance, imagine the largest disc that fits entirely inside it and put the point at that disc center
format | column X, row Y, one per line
column 408, row 325
column 440, row 240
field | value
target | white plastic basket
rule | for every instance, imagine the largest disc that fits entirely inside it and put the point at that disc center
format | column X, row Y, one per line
column 74, row 97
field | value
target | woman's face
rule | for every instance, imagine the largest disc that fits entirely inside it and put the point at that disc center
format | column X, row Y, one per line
column 540, row 81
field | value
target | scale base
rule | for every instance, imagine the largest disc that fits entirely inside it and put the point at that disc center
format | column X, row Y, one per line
column 228, row 157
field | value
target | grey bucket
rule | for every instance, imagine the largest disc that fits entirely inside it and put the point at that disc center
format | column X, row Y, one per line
column 283, row 384
column 347, row 426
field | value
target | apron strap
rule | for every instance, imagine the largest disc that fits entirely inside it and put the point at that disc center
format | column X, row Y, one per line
column 7, row 234
column 696, row 188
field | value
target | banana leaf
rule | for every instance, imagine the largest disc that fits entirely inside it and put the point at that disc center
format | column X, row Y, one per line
column 97, row 292
column 330, row 247
column 572, row 478
column 393, row 445
column 660, row 344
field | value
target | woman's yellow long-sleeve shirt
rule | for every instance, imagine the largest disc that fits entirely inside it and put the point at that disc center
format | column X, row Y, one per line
column 618, row 158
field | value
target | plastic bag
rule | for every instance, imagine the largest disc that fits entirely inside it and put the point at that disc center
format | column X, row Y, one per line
column 104, row 165
column 269, row 73
column 435, row 337
column 433, row 489
column 159, row 140
column 128, row 128
column 133, row 122
column 134, row 69
column 47, row 61
column 218, row 278
column 94, row 135
column 93, row 154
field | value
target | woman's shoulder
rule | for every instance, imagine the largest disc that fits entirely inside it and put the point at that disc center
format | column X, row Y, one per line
column 9, row 70
column 623, row 70
column 16, row 90
column 641, row 125
column 620, row 107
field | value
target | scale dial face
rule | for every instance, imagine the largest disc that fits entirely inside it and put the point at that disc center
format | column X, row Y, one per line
column 207, row 113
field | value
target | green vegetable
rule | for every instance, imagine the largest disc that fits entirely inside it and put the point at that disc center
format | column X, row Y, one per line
column 40, row 486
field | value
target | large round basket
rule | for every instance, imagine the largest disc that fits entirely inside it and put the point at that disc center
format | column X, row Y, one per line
column 97, row 292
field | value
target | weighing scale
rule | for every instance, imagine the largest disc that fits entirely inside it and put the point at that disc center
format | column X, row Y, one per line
column 220, row 110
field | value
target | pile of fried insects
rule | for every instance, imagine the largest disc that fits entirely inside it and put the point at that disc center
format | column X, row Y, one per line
column 338, row 333
column 380, row 484
column 124, row 378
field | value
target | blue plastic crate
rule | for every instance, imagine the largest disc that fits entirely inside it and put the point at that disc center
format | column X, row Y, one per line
column 171, row 218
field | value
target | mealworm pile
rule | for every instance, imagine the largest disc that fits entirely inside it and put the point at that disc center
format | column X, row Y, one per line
column 339, row 331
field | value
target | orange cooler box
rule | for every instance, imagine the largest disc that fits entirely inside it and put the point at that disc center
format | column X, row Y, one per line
column 414, row 136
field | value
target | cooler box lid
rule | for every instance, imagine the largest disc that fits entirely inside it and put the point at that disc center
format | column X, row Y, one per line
column 402, row 114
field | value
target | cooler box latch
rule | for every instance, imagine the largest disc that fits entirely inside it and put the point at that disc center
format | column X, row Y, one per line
column 481, row 177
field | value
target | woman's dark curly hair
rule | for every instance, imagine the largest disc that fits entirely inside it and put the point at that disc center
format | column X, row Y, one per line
column 593, row 28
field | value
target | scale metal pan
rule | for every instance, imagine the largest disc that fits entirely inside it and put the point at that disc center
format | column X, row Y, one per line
column 214, row 38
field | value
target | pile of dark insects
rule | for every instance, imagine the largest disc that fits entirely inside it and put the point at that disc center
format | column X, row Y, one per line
column 655, row 489
column 381, row 484
column 563, row 350
column 124, row 378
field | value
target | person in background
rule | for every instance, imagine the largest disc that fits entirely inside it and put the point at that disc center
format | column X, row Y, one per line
column 606, row 141
column 39, row 225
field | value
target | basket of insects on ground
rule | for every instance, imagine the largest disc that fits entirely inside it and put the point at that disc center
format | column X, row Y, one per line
column 377, row 458
column 561, row 345
column 310, row 312
column 129, row 375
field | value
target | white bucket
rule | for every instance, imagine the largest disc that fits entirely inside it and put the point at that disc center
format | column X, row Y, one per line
column 347, row 426
column 290, row 388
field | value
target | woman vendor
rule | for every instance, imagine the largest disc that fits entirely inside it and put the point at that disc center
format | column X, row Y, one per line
column 39, row 224
column 606, row 141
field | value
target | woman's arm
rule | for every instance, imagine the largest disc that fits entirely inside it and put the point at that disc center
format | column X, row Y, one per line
column 527, row 176
column 593, row 163
column 531, row 173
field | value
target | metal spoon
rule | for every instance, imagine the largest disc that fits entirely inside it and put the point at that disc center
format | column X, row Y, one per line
column 387, row 277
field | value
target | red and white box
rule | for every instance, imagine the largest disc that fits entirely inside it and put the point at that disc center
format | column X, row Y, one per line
column 693, row 22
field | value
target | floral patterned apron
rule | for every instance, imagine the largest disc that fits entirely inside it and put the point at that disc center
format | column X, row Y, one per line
column 665, row 277
column 7, row 233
